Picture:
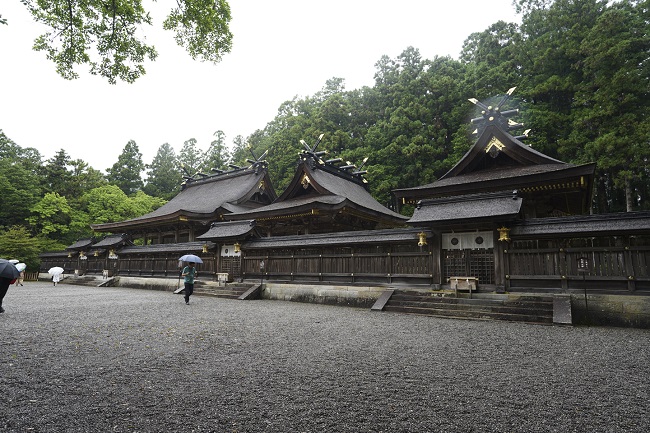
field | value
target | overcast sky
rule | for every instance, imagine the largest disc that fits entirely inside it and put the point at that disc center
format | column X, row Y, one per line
column 281, row 49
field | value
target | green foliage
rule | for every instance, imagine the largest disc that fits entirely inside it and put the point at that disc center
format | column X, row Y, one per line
column 17, row 243
column 56, row 176
column 51, row 216
column 20, row 191
column 110, row 204
column 164, row 175
column 126, row 172
column 109, row 36
column 217, row 156
column 202, row 28
column 190, row 157
column 142, row 203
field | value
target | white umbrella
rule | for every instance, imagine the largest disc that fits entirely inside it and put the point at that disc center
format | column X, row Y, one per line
column 13, row 261
column 190, row 258
column 21, row 266
column 55, row 271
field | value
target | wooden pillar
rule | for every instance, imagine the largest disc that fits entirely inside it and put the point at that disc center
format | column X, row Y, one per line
column 500, row 259
column 435, row 255
column 629, row 266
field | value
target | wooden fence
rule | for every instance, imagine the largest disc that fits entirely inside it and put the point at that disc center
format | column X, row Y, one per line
column 516, row 266
column 618, row 268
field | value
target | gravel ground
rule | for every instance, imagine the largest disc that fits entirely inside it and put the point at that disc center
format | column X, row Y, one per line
column 84, row 359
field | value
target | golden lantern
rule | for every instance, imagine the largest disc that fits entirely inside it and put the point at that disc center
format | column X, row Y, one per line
column 504, row 234
column 237, row 247
column 422, row 239
column 205, row 248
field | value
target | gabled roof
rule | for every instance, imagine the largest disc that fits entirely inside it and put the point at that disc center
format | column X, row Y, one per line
column 81, row 244
column 207, row 199
column 498, row 161
column 320, row 188
column 495, row 146
column 228, row 230
column 112, row 241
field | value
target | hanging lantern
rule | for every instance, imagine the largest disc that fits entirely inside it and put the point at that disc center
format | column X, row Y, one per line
column 504, row 234
column 422, row 239
column 205, row 248
column 237, row 247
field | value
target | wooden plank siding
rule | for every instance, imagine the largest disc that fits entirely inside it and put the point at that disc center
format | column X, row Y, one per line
column 611, row 269
column 615, row 266
column 359, row 264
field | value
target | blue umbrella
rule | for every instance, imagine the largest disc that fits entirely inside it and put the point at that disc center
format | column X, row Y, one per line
column 8, row 269
column 190, row 258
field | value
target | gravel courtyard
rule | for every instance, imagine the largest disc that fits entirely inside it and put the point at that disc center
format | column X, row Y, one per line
column 83, row 359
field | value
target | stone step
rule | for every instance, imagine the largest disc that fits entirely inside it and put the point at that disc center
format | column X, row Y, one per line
column 520, row 308
column 473, row 314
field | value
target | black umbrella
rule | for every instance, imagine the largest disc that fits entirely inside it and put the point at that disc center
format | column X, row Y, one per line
column 8, row 269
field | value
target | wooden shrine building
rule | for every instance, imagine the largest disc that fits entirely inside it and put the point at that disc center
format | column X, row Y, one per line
column 505, row 218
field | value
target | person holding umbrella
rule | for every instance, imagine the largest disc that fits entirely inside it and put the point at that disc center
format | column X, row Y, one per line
column 8, row 275
column 189, row 273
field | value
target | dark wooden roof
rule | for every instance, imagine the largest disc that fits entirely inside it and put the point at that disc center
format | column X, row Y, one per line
column 319, row 188
column 207, row 199
column 180, row 248
column 584, row 225
column 112, row 241
column 362, row 237
column 498, row 161
column 54, row 254
column 81, row 244
column 501, row 206
column 229, row 230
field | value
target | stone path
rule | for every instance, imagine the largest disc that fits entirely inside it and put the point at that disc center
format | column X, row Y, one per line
column 84, row 359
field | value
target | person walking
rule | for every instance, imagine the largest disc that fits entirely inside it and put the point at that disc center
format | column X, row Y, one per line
column 4, row 286
column 19, row 281
column 189, row 273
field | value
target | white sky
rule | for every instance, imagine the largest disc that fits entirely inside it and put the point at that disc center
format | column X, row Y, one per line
column 281, row 49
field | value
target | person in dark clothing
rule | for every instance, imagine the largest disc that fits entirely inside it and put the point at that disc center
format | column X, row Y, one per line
column 4, row 286
column 189, row 272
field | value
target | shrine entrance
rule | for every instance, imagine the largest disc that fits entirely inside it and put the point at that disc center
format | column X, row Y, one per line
column 230, row 262
column 468, row 255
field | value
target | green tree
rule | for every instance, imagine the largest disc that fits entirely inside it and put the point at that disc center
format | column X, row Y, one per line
column 51, row 216
column 613, row 108
column 164, row 174
column 190, row 157
column 142, row 203
column 217, row 156
column 109, row 37
column 20, row 191
column 126, row 172
column 83, row 178
column 107, row 204
column 17, row 243
column 56, row 176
